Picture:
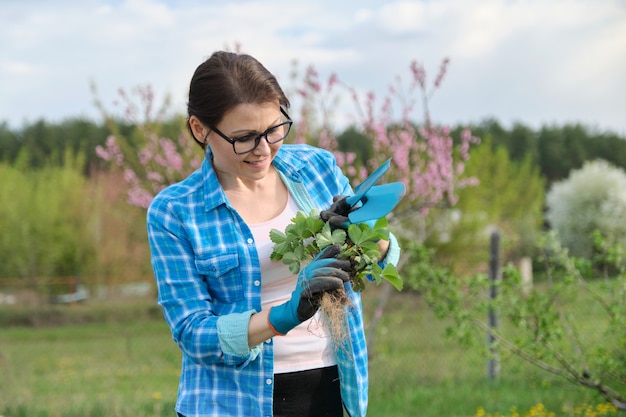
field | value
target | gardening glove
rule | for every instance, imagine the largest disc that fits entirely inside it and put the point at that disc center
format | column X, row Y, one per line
column 377, row 202
column 325, row 273
column 337, row 214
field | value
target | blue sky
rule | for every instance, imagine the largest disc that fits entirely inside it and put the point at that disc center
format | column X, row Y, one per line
column 532, row 61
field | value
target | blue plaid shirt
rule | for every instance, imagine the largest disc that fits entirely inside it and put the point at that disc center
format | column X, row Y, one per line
column 209, row 282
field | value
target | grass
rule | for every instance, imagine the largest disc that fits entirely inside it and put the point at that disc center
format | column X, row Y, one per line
column 116, row 368
column 127, row 365
column 415, row 370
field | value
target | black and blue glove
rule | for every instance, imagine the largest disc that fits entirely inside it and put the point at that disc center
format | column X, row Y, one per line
column 376, row 202
column 337, row 214
column 324, row 274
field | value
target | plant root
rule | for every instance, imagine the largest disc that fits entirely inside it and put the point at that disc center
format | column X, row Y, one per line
column 333, row 307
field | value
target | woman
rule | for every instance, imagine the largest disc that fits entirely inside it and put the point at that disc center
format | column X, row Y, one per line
column 251, row 340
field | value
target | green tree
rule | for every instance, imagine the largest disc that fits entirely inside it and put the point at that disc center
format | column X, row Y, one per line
column 509, row 197
column 44, row 220
column 352, row 140
column 522, row 144
column 609, row 147
column 45, row 143
column 569, row 326
column 9, row 144
column 56, row 222
column 556, row 149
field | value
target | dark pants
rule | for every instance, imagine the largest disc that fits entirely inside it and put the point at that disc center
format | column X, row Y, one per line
column 312, row 393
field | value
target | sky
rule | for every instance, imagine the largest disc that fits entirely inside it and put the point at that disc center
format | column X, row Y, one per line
column 534, row 62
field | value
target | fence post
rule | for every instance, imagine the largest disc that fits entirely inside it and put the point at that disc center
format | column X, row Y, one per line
column 526, row 272
column 493, row 363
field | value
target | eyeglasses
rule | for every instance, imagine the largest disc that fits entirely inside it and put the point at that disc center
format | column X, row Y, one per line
column 249, row 142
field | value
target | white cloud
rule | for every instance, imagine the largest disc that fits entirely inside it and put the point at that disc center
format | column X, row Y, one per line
column 527, row 60
column 404, row 16
column 363, row 15
column 17, row 68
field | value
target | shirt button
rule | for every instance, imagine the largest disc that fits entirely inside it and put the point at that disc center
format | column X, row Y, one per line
column 250, row 241
column 268, row 341
column 257, row 283
column 268, row 381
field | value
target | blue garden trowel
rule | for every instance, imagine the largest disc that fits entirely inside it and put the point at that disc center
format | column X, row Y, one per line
column 375, row 201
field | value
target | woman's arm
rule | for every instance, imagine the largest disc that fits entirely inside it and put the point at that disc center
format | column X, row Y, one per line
column 383, row 248
column 259, row 329
column 201, row 334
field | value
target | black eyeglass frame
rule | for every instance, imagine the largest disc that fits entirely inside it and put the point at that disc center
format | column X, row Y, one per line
column 257, row 139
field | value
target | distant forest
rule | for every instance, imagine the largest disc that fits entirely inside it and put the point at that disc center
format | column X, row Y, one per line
column 556, row 150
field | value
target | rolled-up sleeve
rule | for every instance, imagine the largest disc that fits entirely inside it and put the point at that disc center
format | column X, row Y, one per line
column 232, row 331
column 393, row 253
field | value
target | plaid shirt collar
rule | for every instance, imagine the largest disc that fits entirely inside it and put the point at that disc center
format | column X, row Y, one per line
column 285, row 162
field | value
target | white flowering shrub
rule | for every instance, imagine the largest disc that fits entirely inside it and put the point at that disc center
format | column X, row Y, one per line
column 591, row 198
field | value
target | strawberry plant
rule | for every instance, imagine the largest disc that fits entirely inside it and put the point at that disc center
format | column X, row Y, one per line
column 306, row 236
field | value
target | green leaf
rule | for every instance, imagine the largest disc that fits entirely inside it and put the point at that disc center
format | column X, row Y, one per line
column 382, row 234
column 327, row 237
column 294, row 268
column 376, row 273
column 381, row 223
column 339, row 236
column 304, row 226
column 390, row 273
column 293, row 262
column 358, row 284
column 355, row 233
column 277, row 236
column 362, row 235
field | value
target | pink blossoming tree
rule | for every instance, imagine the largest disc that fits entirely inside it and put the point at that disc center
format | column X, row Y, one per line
column 150, row 161
column 425, row 156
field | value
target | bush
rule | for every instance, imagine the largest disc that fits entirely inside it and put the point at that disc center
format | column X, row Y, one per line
column 56, row 223
column 44, row 220
column 591, row 198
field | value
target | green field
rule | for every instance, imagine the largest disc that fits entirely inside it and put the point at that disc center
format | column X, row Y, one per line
column 119, row 360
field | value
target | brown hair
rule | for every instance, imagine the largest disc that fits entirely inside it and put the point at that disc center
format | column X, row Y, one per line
column 224, row 81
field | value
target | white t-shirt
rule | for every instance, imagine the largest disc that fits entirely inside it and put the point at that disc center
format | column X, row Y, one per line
column 308, row 345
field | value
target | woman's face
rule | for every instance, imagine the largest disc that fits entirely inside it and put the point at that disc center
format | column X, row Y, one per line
column 241, row 121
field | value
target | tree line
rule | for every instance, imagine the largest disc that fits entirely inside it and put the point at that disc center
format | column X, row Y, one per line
column 555, row 150
column 43, row 143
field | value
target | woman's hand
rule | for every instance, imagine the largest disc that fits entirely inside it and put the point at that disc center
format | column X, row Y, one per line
column 325, row 273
